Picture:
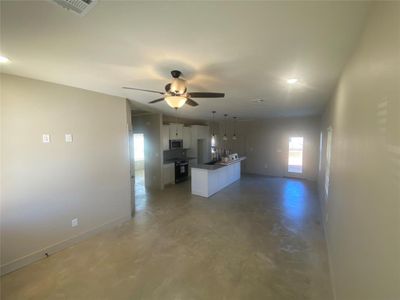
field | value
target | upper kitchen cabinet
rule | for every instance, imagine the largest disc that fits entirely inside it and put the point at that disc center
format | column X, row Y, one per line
column 175, row 131
column 165, row 137
column 201, row 132
column 187, row 137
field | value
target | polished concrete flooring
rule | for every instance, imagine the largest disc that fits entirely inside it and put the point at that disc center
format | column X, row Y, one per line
column 260, row 238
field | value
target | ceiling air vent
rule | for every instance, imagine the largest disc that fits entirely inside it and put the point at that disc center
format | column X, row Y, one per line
column 80, row 7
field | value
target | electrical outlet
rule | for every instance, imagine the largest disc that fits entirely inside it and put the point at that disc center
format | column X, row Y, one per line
column 46, row 138
column 74, row 222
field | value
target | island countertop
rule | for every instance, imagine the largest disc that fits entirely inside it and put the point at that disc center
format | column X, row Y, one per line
column 218, row 165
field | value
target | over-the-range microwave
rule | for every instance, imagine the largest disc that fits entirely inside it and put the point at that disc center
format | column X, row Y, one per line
column 175, row 144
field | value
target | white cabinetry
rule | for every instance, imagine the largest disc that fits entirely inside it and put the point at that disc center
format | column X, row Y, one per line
column 175, row 131
column 165, row 137
column 203, row 132
column 200, row 132
column 169, row 173
column 187, row 137
column 207, row 182
column 201, row 143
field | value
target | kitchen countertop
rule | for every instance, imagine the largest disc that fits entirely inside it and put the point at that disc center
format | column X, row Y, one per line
column 218, row 165
column 208, row 167
column 173, row 160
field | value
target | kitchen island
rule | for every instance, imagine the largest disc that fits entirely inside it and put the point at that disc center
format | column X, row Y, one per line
column 209, row 179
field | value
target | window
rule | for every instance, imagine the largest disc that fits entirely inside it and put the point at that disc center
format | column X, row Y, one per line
column 295, row 161
column 138, row 146
column 328, row 159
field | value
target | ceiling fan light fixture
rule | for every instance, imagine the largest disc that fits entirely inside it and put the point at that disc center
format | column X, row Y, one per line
column 178, row 86
column 175, row 101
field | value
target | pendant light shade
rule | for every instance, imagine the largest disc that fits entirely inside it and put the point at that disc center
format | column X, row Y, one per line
column 225, row 137
column 213, row 124
column 234, row 137
column 175, row 101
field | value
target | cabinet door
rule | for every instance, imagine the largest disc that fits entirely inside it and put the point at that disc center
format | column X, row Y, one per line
column 173, row 132
column 180, row 131
column 172, row 173
column 165, row 174
column 165, row 137
column 187, row 137
column 169, row 174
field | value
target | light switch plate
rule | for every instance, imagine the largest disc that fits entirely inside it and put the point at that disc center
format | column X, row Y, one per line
column 68, row 138
column 46, row 138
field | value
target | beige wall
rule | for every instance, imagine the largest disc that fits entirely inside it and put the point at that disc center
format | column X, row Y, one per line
column 266, row 143
column 362, row 210
column 45, row 186
column 150, row 125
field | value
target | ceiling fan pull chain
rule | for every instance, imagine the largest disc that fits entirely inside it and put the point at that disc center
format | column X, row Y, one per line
column 176, row 120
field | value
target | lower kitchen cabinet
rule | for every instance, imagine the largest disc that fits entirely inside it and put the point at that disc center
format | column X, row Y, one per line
column 169, row 173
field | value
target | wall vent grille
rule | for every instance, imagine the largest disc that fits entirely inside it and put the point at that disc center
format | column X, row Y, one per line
column 80, row 7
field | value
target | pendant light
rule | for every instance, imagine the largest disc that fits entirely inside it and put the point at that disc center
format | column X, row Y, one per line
column 225, row 137
column 213, row 124
column 234, row 137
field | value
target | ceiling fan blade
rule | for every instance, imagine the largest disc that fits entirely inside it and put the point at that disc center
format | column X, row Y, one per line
column 143, row 90
column 191, row 102
column 206, row 95
column 157, row 100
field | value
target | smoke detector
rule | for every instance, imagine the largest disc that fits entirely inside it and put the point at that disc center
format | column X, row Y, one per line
column 80, row 7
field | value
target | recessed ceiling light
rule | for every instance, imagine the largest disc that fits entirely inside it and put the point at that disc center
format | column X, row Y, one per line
column 292, row 80
column 4, row 59
column 259, row 100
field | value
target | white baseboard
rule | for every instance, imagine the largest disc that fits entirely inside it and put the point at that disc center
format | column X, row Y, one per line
column 37, row 255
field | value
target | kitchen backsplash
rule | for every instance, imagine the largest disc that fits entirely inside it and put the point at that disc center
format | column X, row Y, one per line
column 175, row 153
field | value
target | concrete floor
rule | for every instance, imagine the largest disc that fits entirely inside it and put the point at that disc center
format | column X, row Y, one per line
column 260, row 238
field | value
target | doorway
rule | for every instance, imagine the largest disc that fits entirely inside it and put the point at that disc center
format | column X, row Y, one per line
column 295, row 157
column 138, row 155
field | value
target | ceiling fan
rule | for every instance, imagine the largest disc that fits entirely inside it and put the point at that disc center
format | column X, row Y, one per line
column 176, row 94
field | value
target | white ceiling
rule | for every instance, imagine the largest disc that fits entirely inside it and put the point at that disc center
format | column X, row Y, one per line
column 245, row 49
